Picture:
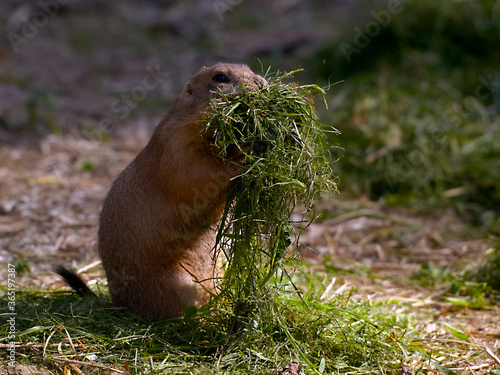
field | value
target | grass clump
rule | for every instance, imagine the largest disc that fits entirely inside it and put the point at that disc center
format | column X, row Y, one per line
column 276, row 131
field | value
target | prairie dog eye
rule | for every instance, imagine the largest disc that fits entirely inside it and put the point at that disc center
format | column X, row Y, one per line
column 220, row 78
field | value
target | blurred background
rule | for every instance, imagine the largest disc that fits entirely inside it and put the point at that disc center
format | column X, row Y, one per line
column 414, row 86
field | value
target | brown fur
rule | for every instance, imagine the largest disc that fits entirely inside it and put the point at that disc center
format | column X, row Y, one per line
column 156, row 227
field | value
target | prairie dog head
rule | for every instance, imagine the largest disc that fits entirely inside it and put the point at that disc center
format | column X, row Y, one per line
column 221, row 77
column 182, row 125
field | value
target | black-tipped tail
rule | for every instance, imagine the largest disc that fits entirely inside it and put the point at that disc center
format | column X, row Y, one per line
column 74, row 281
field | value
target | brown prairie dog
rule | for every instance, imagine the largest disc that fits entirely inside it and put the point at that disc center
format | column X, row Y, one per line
column 156, row 227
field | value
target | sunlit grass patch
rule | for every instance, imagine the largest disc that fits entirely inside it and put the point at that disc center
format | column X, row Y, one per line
column 59, row 331
column 326, row 330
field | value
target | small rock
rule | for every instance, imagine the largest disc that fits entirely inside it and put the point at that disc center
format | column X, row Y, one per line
column 7, row 206
column 293, row 368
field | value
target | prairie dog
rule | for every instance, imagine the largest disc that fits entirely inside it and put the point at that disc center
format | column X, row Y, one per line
column 156, row 229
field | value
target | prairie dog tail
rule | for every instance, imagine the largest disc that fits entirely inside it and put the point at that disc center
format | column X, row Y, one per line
column 75, row 282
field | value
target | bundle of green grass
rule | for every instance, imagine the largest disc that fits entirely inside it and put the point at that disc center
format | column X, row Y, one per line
column 281, row 139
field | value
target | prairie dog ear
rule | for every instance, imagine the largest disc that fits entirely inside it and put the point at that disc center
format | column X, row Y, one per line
column 189, row 89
